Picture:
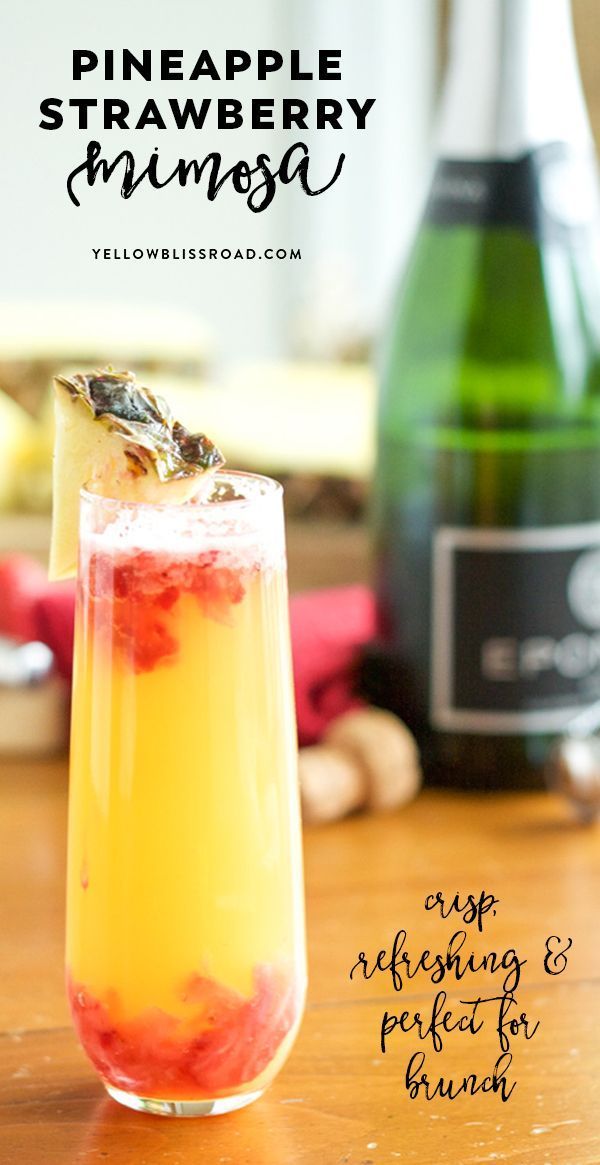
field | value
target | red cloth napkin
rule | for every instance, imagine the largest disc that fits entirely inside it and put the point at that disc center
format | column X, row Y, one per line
column 328, row 628
column 55, row 619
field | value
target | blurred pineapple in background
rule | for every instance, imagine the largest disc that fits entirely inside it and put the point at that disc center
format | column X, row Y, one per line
column 32, row 485
column 18, row 440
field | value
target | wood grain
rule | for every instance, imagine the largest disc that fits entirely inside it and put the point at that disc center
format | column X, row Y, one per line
column 338, row 1099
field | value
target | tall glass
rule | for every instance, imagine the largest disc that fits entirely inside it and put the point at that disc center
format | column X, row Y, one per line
column 185, row 924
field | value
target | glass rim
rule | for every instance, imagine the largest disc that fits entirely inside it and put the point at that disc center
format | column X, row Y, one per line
column 271, row 489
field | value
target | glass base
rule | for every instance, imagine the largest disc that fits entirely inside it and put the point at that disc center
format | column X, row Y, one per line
column 150, row 1104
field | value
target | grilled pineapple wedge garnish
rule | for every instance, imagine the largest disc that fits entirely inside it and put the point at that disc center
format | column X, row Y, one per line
column 116, row 436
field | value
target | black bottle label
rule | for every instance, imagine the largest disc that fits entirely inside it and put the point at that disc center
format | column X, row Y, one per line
column 515, row 628
column 546, row 193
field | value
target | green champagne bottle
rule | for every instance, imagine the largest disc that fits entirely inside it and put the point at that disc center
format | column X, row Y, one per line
column 487, row 488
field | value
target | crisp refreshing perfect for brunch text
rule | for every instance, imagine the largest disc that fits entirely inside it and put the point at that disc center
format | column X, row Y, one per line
column 257, row 180
column 499, row 1007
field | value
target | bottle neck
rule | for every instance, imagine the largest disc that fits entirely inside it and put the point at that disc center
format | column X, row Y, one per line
column 513, row 80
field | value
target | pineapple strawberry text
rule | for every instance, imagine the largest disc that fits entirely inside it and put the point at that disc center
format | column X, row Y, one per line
column 257, row 180
column 497, row 1009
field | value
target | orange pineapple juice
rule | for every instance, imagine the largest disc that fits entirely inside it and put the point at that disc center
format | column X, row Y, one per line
column 185, row 946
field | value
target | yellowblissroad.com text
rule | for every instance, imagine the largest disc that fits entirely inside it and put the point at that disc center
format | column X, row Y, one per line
column 164, row 254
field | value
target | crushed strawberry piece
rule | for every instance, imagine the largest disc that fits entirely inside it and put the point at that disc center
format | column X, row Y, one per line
column 226, row 1044
column 132, row 595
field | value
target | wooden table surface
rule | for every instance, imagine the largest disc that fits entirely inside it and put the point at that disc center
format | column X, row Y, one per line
column 339, row 1099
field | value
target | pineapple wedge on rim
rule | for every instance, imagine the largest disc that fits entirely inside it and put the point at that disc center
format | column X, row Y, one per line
column 118, row 437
